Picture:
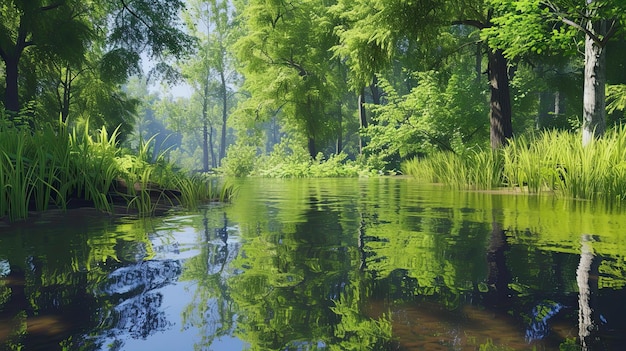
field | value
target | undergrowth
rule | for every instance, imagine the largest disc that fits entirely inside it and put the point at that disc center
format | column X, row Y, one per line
column 54, row 166
column 551, row 161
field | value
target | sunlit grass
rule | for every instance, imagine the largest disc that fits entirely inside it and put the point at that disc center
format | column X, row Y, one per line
column 55, row 166
column 551, row 161
column 477, row 170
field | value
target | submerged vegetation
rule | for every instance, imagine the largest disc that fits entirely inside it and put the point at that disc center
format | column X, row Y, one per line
column 551, row 161
column 58, row 167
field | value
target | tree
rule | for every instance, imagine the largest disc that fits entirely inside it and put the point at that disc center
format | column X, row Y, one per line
column 377, row 31
column 56, row 31
column 210, row 22
column 63, row 32
column 542, row 25
column 288, row 67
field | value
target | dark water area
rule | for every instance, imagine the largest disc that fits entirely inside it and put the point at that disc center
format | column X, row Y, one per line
column 330, row 264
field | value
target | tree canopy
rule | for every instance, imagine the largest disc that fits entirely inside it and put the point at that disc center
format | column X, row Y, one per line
column 371, row 81
column 47, row 47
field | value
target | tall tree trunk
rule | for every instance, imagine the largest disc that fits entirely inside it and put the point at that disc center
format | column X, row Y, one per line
column 65, row 100
column 11, row 93
column 478, row 64
column 543, row 115
column 211, row 148
column 362, row 119
column 500, row 101
column 11, row 57
column 205, row 127
column 375, row 91
column 205, row 146
column 557, row 104
column 312, row 149
column 224, row 117
column 339, row 146
column 594, row 104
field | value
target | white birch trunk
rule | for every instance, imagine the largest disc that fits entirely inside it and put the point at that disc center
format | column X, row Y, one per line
column 594, row 104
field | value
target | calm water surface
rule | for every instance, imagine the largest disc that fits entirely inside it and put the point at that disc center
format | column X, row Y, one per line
column 350, row 264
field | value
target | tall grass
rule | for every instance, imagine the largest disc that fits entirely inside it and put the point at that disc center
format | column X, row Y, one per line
column 56, row 166
column 476, row 170
column 551, row 161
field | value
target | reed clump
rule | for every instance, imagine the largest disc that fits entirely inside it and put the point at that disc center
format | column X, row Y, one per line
column 550, row 161
column 474, row 170
column 58, row 167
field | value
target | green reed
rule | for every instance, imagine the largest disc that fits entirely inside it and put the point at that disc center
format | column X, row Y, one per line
column 54, row 166
column 475, row 170
column 550, row 161
column 93, row 166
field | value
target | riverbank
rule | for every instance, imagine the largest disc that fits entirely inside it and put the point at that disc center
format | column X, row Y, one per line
column 552, row 162
column 61, row 168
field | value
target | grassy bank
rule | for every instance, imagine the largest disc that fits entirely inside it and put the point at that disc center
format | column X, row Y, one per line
column 61, row 168
column 551, row 161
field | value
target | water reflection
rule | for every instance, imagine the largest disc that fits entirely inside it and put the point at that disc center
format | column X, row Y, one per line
column 381, row 264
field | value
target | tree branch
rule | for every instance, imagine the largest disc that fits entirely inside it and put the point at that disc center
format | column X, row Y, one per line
column 611, row 32
column 596, row 38
column 50, row 7
column 134, row 14
column 587, row 32
column 473, row 23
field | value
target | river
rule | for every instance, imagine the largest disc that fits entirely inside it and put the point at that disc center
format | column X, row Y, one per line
column 322, row 264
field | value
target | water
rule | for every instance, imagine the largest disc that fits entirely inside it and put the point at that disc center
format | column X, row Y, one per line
column 352, row 264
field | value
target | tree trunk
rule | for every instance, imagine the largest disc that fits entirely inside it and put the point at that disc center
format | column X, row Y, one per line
column 478, row 64
column 543, row 115
column 594, row 104
column 557, row 104
column 11, row 58
column 205, row 128
column 500, row 101
column 205, row 146
column 211, row 148
column 11, row 93
column 224, row 118
column 312, row 150
column 375, row 91
column 339, row 146
column 362, row 119
column 65, row 100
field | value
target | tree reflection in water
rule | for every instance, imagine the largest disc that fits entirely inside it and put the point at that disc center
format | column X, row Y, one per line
column 139, row 314
column 324, row 265
column 587, row 280
column 211, row 310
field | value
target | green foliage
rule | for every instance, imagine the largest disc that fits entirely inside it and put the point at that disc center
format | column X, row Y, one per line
column 490, row 346
column 59, row 52
column 240, row 161
column 474, row 170
column 288, row 67
column 524, row 27
column 616, row 97
column 370, row 32
column 552, row 161
column 357, row 332
column 54, row 166
column 434, row 116
column 287, row 160
column 570, row 344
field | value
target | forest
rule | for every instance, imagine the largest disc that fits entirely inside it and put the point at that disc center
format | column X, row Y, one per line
column 475, row 93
